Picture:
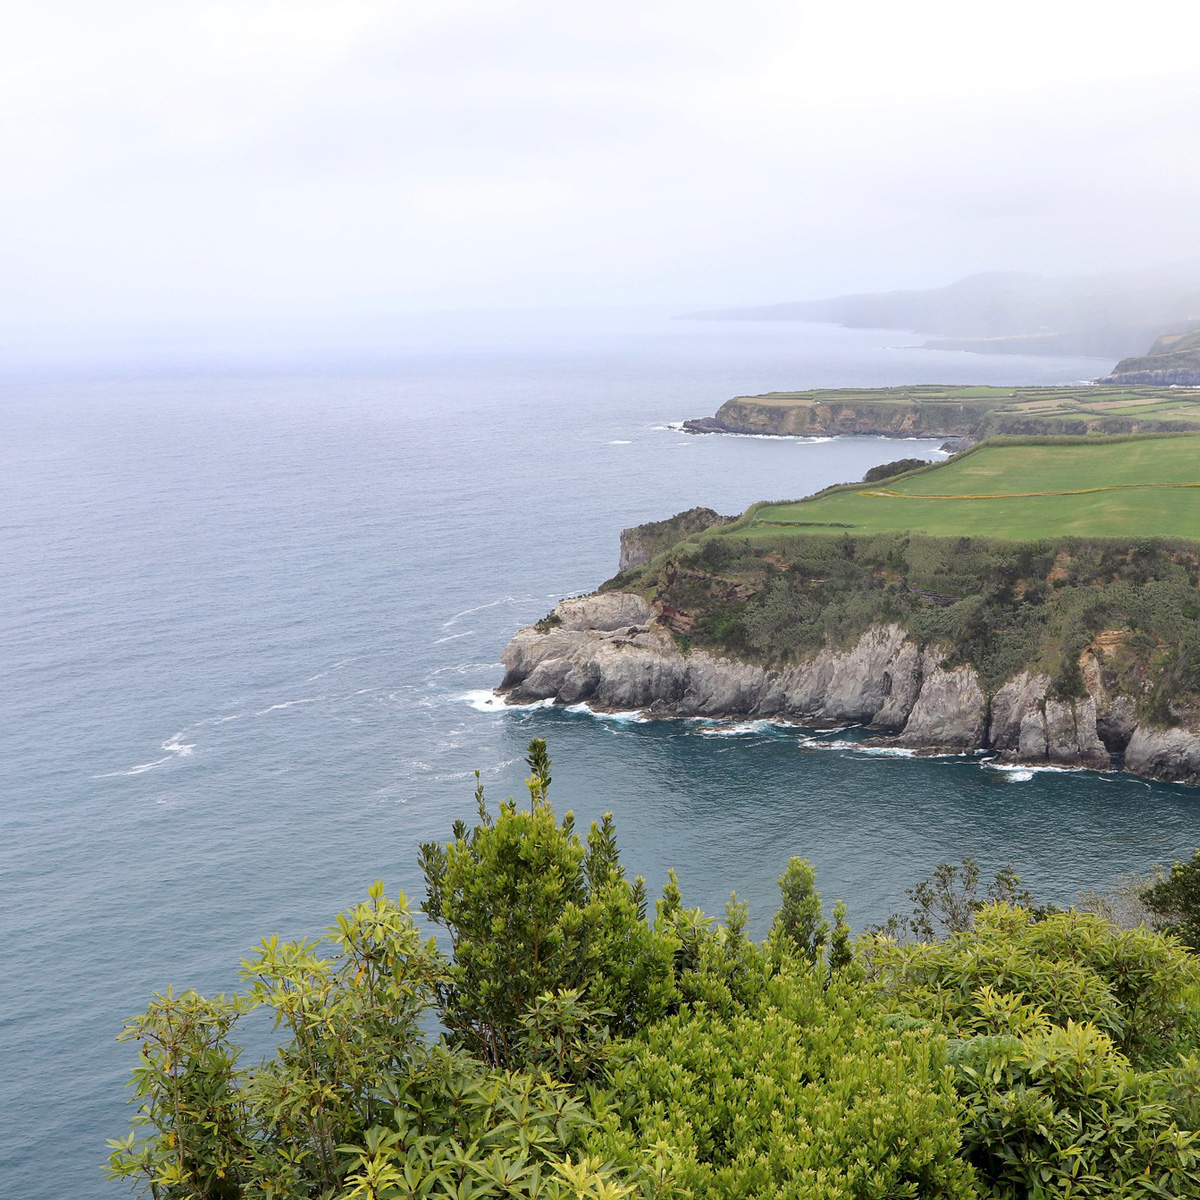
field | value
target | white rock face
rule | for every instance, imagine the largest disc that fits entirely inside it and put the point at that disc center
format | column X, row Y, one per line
column 950, row 708
column 610, row 652
column 1164, row 754
column 610, row 611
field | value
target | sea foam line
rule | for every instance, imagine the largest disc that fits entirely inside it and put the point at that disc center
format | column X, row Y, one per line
column 336, row 666
column 466, row 612
column 1023, row 772
column 262, row 712
column 450, row 637
column 175, row 747
column 486, row 700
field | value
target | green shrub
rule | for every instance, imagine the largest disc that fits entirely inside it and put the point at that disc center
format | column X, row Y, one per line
column 807, row 1093
column 1049, row 1021
column 532, row 910
column 1131, row 984
column 891, row 469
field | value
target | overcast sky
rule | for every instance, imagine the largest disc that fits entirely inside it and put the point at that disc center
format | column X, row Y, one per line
column 188, row 162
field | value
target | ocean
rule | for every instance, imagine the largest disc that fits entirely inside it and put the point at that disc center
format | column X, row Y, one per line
column 250, row 618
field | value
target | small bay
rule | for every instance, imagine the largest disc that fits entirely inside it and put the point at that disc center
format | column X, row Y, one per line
column 250, row 617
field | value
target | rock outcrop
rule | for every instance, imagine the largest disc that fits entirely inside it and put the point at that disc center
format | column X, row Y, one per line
column 760, row 415
column 642, row 542
column 611, row 652
column 1164, row 754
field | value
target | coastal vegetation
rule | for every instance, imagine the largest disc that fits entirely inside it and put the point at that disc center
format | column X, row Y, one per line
column 1014, row 556
column 593, row 1046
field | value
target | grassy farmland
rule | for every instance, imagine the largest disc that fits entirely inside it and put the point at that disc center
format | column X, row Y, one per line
column 1019, row 554
column 1135, row 487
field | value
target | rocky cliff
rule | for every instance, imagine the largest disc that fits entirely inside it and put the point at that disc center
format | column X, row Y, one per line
column 1173, row 361
column 641, row 543
column 612, row 652
column 757, row 415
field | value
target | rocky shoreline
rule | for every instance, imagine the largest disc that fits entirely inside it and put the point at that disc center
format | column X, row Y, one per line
column 953, row 442
column 611, row 652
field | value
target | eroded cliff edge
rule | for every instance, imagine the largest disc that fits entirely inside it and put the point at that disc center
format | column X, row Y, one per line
column 613, row 652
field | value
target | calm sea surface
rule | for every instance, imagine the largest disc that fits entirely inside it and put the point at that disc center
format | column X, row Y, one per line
column 247, row 621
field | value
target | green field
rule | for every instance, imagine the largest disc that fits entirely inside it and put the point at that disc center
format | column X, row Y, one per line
column 1137, row 487
column 1096, row 400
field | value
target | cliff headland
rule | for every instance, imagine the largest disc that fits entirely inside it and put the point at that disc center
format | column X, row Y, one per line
column 1011, row 600
column 969, row 414
column 1173, row 360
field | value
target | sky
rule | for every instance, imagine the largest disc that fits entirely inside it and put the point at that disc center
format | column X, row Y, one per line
column 263, row 165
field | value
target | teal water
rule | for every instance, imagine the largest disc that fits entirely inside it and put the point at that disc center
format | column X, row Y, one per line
column 247, row 619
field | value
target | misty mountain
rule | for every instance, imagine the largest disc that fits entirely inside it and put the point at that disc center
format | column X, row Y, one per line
column 1109, row 316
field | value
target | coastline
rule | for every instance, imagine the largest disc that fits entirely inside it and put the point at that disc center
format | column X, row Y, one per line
column 611, row 653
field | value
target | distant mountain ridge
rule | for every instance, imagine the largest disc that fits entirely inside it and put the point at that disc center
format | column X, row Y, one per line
column 1107, row 316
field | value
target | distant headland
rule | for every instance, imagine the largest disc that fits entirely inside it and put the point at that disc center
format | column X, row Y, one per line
column 966, row 414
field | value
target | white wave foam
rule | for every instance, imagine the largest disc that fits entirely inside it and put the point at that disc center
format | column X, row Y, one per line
column 460, row 669
column 466, row 612
column 872, row 751
column 621, row 442
column 262, row 712
column 1023, row 772
column 140, row 769
column 175, row 746
column 450, row 637
column 621, row 718
column 738, row 729
column 819, row 742
column 335, row 667
column 486, row 700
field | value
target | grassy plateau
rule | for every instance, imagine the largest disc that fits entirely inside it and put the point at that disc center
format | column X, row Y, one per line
column 1122, row 487
column 1018, row 554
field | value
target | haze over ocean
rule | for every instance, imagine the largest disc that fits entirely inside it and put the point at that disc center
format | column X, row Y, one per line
column 247, row 619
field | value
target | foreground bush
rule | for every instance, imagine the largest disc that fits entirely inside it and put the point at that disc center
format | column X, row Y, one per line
column 807, row 1093
column 355, row 1104
column 1049, row 1019
column 591, row 1051
column 1135, row 985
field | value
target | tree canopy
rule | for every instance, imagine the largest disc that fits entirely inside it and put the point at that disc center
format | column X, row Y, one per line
column 588, row 1048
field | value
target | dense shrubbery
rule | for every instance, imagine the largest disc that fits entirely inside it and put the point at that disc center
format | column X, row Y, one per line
column 891, row 469
column 589, row 1049
column 805, row 1091
column 1001, row 606
column 1072, row 1046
